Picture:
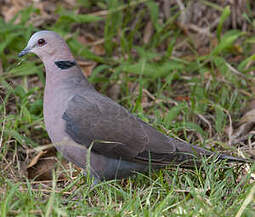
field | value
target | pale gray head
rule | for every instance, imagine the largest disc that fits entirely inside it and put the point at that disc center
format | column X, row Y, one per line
column 47, row 45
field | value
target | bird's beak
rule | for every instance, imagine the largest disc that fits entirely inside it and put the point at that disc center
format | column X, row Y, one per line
column 24, row 52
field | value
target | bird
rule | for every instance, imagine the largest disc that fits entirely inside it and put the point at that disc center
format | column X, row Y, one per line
column 93, row 131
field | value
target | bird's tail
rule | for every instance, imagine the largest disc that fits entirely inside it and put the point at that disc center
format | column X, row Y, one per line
column 229, row 158
column 198, row 152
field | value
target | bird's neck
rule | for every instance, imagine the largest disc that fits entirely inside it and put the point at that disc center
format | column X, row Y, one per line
column 60, row 69
column 65, row 77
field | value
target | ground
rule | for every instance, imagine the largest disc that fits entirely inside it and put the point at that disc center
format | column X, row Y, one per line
column 185, row 67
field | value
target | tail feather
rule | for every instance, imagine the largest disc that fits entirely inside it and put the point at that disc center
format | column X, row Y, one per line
column 198, row 151
column 233, row 159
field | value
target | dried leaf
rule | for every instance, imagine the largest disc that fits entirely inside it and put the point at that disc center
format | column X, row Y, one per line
column 40, row 167
column 96, row 45
column 87, row 67
column 249, row 117
column 42, row 170
column 71, row 2
column 182, row 98
column 83, row 40
column 36, row 159
column 246, row 124
column 11, row 10
column 98, row 49
column 147, row 32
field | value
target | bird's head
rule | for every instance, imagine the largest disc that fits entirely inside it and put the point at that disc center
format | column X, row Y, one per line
column 46, row 44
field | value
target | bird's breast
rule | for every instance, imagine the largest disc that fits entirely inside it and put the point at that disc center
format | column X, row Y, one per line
column 54, row 106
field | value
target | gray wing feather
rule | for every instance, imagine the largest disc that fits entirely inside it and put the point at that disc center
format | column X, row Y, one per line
column 112, row 130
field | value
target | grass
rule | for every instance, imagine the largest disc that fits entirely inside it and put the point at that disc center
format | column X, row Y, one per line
column 165, row 79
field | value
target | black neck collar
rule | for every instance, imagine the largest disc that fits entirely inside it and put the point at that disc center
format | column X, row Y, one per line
column 65, row 64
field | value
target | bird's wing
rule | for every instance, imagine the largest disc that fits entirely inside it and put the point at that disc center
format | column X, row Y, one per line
column 113, row 131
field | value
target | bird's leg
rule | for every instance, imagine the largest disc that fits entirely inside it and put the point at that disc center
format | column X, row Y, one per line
column 91, row 178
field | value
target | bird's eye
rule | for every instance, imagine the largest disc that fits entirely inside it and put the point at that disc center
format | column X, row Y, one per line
column 41, row 42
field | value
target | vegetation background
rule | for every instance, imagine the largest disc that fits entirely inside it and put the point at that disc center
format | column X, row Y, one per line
column 186, row 67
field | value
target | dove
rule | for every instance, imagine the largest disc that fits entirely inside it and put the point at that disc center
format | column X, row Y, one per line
column 96, row 133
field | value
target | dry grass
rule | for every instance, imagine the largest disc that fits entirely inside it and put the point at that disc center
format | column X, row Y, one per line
column 187, row 67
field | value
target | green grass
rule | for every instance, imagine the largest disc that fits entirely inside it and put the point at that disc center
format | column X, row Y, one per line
column 193, row 96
